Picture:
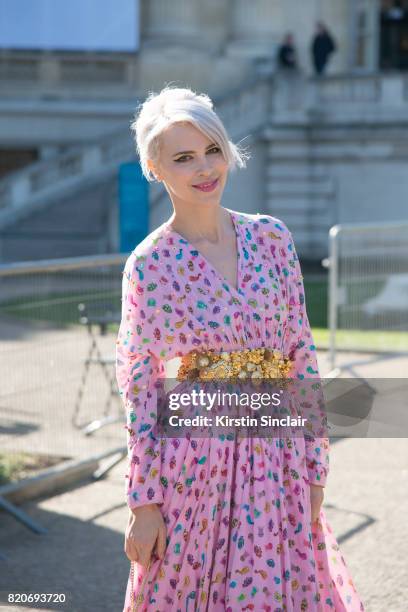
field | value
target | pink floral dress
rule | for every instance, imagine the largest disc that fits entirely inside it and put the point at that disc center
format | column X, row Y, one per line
column 237, row 512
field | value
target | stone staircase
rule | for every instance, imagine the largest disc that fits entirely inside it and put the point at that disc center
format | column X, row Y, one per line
column 75, row 189
column 80, row 224
column 300, row 190
column 316, row 126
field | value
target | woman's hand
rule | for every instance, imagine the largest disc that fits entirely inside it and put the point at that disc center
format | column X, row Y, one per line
column 316, row 500
column 145, row 529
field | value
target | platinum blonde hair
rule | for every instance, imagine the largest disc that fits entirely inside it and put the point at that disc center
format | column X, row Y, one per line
column 175, row 105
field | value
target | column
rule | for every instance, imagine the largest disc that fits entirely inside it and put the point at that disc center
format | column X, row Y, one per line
column 365, row 32
column 172, row 23
column 257, row 27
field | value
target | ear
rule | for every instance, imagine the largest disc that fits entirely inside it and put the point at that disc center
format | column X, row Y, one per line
column 153, row 168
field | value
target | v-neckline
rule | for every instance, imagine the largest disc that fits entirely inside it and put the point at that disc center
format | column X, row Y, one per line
column 224, row 281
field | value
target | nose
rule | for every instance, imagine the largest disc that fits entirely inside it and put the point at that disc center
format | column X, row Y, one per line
column 204, row 166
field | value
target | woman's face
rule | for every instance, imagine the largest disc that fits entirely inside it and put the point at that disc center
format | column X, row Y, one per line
column 191, row 166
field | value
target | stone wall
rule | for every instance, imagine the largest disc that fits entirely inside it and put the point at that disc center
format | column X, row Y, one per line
column 208, row 45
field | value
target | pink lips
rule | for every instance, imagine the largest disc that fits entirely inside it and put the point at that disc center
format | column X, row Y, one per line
column 206, row 186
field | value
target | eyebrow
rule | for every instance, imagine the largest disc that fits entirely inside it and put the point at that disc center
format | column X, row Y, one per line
column 210, row 146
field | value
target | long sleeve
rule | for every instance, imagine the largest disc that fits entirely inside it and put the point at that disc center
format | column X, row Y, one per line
column 301, row 348
column 139, row 375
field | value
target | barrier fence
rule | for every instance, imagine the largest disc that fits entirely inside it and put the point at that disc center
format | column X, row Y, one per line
column 368, row 288
column 58, row 326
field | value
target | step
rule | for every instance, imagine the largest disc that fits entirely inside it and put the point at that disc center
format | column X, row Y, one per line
column 295, row 171
column 280, row 204
column 305, row 215
column 289, row 150
column 301, row 220
column 310, row 244
column 290, row 195
column 324, row 151
column 316, row 203
column 304, row 239
column 284, row 187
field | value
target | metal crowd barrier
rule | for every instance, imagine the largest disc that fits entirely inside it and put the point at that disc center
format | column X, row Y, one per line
column 368, row 288
column 58, row 326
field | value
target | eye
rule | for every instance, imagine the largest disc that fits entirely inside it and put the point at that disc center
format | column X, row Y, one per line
column 184, row 158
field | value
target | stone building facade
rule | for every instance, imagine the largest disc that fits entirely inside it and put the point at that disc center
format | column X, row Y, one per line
column 312, row 140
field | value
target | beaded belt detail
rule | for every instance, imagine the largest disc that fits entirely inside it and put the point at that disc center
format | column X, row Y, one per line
column 253, row 365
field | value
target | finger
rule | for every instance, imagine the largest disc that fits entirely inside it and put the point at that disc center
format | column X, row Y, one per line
column 144, row 562
column 131, row 554
column 131, row 550
column 161, row 542
column 136, row 552
column 144, row 557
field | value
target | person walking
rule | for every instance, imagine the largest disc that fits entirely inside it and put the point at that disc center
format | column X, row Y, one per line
column 323, row 46
column 287, row 56
column 218, row 524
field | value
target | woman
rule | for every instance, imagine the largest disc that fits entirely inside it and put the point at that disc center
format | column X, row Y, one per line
column 217, row 524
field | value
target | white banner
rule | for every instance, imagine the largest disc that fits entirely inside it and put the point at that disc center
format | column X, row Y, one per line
column 80, row 25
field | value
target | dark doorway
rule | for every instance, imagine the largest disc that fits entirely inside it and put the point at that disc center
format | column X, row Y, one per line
column 394, row 35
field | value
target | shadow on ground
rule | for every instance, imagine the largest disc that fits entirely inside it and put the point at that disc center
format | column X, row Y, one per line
column 83, row 559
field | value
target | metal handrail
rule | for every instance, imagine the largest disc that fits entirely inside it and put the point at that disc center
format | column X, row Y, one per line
column 68, row 263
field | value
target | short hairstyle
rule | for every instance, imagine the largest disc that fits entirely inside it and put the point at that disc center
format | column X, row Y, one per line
column 176, row 105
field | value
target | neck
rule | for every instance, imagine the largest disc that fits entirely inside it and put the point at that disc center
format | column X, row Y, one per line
column 206, row 225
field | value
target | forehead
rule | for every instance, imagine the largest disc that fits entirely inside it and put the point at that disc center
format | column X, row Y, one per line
column 183, row 135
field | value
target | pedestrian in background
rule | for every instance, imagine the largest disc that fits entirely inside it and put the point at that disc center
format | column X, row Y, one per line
column 323, row 45
column 287, row 55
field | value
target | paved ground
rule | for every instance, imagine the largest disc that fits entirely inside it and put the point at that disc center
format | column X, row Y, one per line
column 42, row 369
column 82, row 555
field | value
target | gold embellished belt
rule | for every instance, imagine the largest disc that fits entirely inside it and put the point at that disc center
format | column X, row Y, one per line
column 253, row 365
